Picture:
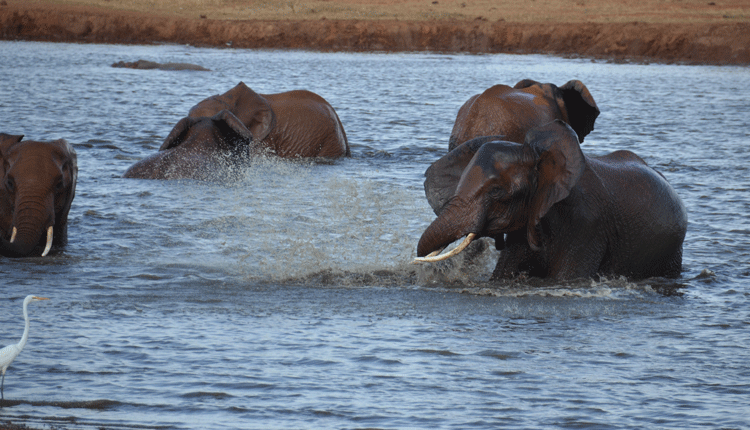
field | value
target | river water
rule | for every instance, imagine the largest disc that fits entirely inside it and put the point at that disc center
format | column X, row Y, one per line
column 284, row 297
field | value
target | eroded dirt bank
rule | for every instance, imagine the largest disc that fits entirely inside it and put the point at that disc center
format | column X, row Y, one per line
column 722, row 43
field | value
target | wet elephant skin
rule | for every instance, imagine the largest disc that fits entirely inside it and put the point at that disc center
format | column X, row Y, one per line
column 555, row 212
column 229, row 128
column 513, row 111
column 39, row 183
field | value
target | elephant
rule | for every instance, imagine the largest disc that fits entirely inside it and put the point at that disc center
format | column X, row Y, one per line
column 511, row 112
column 151, row 65
column 39, row 184
column 241, row 123
column 553, row 211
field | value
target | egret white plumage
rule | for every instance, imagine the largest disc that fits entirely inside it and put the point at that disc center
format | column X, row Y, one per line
column 10, row 352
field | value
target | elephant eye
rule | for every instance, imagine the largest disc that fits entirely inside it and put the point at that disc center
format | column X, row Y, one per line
column 497, row 193
column 10, row 184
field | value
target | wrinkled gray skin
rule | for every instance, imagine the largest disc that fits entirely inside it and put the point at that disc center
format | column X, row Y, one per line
column 513, row 111
column 39, row 183
column 555, row 212
column 230, row 127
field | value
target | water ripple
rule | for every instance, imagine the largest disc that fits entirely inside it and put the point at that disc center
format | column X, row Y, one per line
column 281, row 295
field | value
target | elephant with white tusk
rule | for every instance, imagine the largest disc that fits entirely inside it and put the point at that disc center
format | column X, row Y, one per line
column 553, row 211
column 39, row 183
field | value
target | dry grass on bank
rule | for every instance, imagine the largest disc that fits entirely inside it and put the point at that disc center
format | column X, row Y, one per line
column 531, row 11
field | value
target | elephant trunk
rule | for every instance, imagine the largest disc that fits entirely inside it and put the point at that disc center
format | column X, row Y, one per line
column 32, row 218
column 448, row 227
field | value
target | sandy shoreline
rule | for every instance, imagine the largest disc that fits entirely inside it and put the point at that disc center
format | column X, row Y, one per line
column 709, row 42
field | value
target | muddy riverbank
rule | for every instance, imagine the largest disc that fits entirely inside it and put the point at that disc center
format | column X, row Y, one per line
column 669, row 42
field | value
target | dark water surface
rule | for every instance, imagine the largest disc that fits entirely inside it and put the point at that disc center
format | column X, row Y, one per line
column 284, row 298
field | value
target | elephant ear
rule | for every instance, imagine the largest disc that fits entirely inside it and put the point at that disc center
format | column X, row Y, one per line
column 442, row 176
column 10, row 139
column 262, row 123
column 6, row 141
column 253, row 110
column 559, row 167
column 178, row 133
column 580, row 106
column 226, row 119
column 71, row 164
column 70, row 167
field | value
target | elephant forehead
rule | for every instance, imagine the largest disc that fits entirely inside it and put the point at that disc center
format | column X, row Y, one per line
column 496, row 157
column 203, row 129
column 209, row 107
column 494, row 162
column 35, row 152
column 473, row 180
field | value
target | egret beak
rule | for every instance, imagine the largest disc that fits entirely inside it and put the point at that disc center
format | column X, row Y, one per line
column 40, row 298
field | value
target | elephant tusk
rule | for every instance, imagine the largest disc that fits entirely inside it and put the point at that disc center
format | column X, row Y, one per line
column 430, row 255
column 433, row 257
column 436, row 252
column 13, row 235
column 49, row 242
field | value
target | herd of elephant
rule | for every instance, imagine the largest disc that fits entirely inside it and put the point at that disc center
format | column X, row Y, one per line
column 514, row 172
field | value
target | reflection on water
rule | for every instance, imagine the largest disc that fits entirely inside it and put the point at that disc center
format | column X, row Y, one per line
column 284, row 296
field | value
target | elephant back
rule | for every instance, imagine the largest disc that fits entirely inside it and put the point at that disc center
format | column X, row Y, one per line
column 307, row 126
column 646, row 205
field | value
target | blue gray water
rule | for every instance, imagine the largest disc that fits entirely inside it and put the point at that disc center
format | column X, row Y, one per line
column 284, row 297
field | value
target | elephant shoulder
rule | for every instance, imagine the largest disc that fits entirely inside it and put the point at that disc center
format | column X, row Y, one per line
column 496, row 91
column 463, row 111
column 301, row 105
column 483, row 105
column 297, row 97
column 625, row 168
column 525, row 83
column 622, row 156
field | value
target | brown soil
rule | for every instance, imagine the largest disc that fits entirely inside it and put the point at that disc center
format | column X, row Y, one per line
column 685, row 31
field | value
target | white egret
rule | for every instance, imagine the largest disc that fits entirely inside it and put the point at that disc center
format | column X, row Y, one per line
column 10, row 352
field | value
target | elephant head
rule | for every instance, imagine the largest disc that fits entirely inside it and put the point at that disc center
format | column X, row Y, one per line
column 39, row 182
column 232, row 124
column 250, row 108
column 487, row 188
column 512, row 112
column 193, row 145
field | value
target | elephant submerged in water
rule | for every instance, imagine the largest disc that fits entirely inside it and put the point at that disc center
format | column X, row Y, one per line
column 241, row 123
column 151, row 65
column 512, row 112
column 553, row 211
column 39, row 183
